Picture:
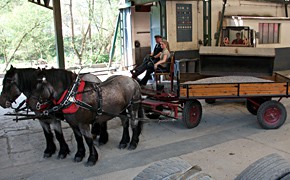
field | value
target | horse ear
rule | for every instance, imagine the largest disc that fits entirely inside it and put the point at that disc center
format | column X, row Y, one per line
column 11, row 67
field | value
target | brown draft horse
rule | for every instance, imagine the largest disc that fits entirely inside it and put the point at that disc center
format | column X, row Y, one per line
column 109, row 99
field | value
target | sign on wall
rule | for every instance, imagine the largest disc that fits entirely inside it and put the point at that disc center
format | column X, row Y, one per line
column 184, row 22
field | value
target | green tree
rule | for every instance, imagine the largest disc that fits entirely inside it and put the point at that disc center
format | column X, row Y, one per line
column 91, row 26
column 27, row 31
column 24, row 32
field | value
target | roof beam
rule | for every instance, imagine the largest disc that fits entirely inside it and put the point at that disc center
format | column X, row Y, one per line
column 44, row 3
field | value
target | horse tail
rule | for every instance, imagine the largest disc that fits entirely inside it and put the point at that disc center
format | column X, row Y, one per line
column 140, row 111
column 138, row 85
column 141, row 116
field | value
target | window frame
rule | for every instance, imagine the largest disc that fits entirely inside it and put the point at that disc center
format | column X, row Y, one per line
column 269, row 33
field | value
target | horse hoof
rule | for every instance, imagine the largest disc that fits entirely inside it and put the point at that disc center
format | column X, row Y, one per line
column 94, row 136
column 78, row 159
column 61, row 156
column 92, row 160
column 122, row 146
column 47, row 155
column 132, row 147
column 103, row 141
column 63, row 153
column 104, row 138
column 100, row 144
column 90, row 163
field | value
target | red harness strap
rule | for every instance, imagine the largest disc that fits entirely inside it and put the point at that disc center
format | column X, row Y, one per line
column 73, row 107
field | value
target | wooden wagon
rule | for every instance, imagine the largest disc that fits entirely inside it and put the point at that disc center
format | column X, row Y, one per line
column 271, row 114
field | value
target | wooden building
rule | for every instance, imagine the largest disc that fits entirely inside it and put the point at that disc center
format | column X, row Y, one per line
column 189, row 24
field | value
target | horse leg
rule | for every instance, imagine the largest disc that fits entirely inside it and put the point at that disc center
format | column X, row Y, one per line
column 126, row 136
column 81, row 152
column 93, row 157
column 100, row 128
column 96, row 128
column 64, row 150
column 104, row 136
column 136, row 125
column 50, row 146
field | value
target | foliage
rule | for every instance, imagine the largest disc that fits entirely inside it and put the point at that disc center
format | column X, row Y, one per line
column 27, row 31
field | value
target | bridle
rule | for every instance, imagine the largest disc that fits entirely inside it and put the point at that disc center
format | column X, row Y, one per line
column 9, row 83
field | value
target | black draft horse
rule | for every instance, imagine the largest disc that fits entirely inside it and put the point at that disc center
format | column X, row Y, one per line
column 109, row 99
column 24, row 80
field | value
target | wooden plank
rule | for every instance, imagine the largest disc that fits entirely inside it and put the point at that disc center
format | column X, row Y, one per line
column 213, row 90
column 279, row 87
column 182, row 92
column 263, row 88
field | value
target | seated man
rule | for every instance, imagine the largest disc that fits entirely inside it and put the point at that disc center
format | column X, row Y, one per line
column 159, row 65
column 238, row 40
column 153, row 57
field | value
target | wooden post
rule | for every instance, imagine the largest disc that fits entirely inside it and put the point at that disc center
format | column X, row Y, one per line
column 58, row 33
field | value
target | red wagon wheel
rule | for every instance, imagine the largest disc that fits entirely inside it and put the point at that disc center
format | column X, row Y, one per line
column 271, row 115
column 192, row 113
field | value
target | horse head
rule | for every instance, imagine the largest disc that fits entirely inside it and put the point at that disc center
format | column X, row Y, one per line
column 43, row 93
column 51, row 83
column 17, row 81
column 10, row 91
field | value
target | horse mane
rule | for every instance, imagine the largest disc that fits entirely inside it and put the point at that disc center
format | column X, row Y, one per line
column 26, row 78
column 57, row 76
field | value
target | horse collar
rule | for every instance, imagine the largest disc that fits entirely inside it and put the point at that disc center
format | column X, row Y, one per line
column 67, row 103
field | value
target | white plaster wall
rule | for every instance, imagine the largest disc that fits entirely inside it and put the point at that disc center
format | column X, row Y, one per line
column 247, row 8
column 141, row 23
column 284, row 31
column 171, row 26
column 233, row 8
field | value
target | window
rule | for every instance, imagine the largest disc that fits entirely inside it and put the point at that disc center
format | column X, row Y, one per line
column 269, row 33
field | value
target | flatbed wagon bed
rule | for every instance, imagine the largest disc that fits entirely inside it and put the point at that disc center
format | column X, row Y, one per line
column 192, row 87
column 273, row 86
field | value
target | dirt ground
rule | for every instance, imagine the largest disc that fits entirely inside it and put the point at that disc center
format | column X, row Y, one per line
column 227, row 140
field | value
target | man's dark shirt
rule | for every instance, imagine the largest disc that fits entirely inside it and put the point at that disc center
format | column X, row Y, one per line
column 157, row 49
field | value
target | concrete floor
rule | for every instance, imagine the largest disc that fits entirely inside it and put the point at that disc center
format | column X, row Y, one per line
column 227, row 140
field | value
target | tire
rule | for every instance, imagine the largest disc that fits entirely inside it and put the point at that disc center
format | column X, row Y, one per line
column 270, row 167
column 192, row 113
column 210, row 101
column 151, row 114
column 271, row 115
column 173, row 168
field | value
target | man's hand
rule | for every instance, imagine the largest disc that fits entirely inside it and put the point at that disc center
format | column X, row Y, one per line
column 155, row 66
